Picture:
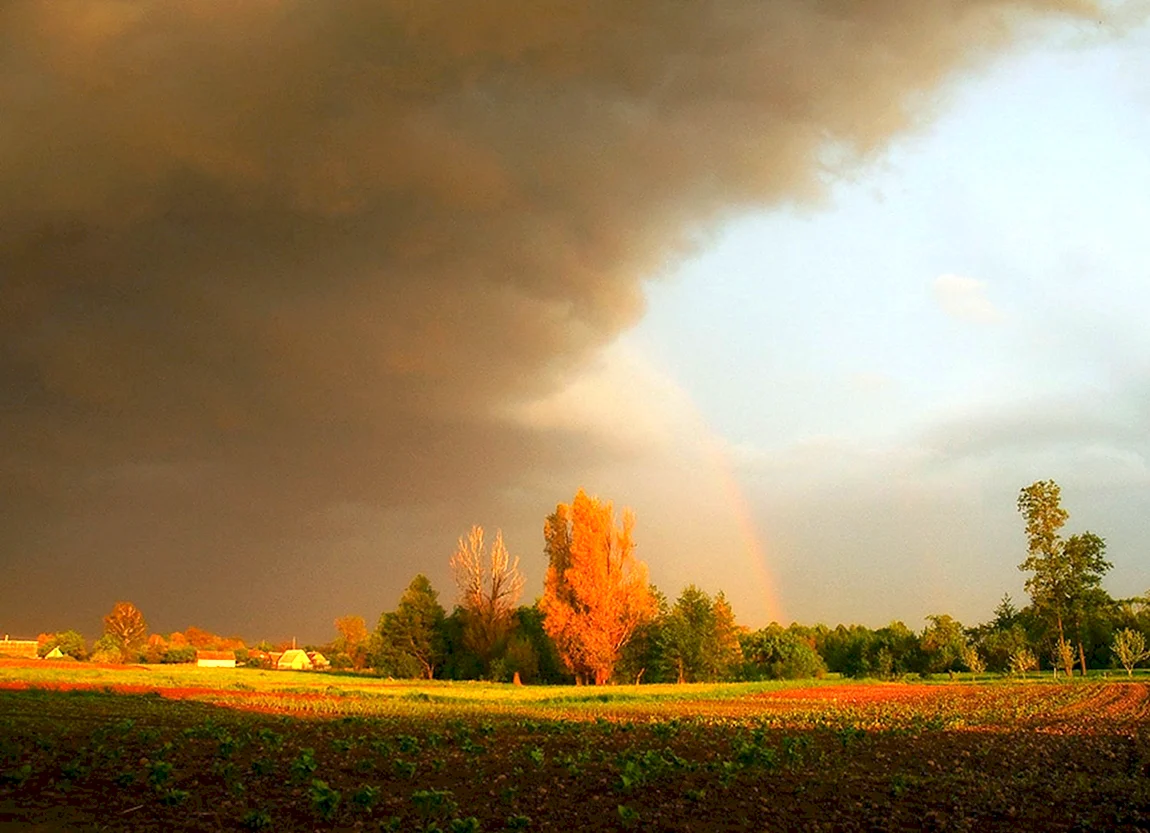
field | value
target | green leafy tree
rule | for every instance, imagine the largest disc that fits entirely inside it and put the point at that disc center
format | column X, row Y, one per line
column 1006, row 614
column 411, row 636
column 775, row 653
column 942, row 643
column 642, row 660
column 529, row 626
column 1066, row 575
column 700, row 640
column 998, row 645
column 70, row 643
column 459, row 661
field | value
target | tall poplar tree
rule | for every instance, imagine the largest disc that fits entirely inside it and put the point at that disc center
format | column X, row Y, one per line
column 1066, row 580
column 596, row 592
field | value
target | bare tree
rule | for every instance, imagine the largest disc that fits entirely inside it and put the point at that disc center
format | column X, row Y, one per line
column 126, row 626
column 489, row 588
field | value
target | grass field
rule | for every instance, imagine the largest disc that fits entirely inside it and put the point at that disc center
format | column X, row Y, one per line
column 179, row 748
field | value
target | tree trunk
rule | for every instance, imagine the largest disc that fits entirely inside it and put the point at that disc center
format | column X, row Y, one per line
column 1062, row 648
column 1082, row 656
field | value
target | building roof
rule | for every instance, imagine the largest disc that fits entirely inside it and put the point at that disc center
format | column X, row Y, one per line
column 215, row 655
column 293, row 656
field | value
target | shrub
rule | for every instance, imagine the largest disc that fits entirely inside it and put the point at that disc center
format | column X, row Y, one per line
column 776, row 654
column 175, row 656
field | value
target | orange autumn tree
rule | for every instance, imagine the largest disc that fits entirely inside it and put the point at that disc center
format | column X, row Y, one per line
column 596, row 592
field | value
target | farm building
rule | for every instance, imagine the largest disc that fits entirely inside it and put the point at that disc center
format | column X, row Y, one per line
column 18, row 647
column 216, row 659
column 55, row 653
column 318, row 661
column 293, row 660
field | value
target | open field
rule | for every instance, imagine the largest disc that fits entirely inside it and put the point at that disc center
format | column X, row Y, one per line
column 191, row 749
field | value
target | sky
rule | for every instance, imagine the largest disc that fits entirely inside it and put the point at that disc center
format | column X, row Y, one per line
column 293, row 294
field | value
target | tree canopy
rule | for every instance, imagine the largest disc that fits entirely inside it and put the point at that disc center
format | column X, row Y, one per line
column 1066, row 575
column 595, row 593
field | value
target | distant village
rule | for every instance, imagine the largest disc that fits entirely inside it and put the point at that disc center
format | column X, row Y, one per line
column 290, row 659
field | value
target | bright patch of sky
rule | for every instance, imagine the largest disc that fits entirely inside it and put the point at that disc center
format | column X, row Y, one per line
column 998, row 256
column 969, row 314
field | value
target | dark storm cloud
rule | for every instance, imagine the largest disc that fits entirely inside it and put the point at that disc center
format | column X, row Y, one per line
column 279, row 255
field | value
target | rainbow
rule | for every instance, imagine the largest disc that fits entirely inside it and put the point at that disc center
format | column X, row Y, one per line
column 718, row 458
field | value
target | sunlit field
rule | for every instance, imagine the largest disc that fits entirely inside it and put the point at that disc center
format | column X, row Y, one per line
column 218, row 749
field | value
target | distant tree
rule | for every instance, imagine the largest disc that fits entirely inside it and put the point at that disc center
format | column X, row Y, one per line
column 176, row 655
column 1130, row 649
column 518, row 658
column 529, row 626
column 126, row 626
column 199, row 638
column 596, row 594
column 1005, row 614
column 352, row 640
column 997, row 645
column 777, row 653
column 106, row 649
column 459, row 661
column 489, row 588
column 700, row 640
column 642, row 660
column 1022, row 660
column 1066, row 580
column 973, row 661
column 70, row 643
column 943, row 641
column 156, row 648
column 413, row 632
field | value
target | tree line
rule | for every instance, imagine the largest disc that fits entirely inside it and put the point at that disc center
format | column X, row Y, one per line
column 600, row 620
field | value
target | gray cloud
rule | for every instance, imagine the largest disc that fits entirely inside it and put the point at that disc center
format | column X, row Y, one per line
column 260, row 260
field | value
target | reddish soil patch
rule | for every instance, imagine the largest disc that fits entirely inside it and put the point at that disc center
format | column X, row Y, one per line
column 269, row 702
column 70, row 665
column 876, row 693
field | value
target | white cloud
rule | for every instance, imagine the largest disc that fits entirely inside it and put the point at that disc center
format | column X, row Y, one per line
column 621, row 398
column 965, row 298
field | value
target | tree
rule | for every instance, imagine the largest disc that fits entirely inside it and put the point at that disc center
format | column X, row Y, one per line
column 1066, row 585
column 700, row 638
column 412, row 633
column 1022, row 660
column 943, row 642
column 596, row 593
column 1130, row 648
column 352, row 639
column 489, row 588
column 775, row 653
column 973, row 661
column 70, row 643
column 125, row 625
column 1005, row 615
column 641, row 660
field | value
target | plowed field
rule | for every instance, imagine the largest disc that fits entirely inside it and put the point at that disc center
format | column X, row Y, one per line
column 1032, row 756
